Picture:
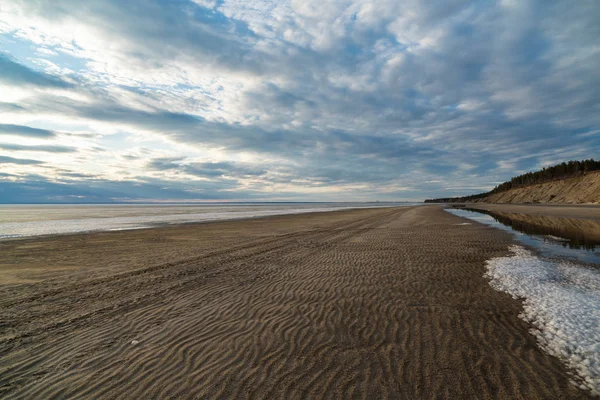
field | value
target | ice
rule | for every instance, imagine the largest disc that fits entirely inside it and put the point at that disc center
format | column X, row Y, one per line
column 556, row 238
column 66, row 226
column 562, row 302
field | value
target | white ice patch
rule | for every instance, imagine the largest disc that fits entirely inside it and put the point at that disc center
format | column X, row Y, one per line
column 65, row 226
column 557, row 238
column 562, row 302
column 463, row 223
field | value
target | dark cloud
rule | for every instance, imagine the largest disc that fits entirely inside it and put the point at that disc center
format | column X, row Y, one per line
column 8, row 107
column 37, row 189
column 18, row 161
column 205, row 169
column 43, row 148
column 77, row 175
column 165, row 163
column 22, row 130
column 220, row 169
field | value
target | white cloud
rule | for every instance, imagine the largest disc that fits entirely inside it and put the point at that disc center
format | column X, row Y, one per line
column 327, row 96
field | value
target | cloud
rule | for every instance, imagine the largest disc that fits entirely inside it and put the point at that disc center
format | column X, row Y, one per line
column 338, row 99
column 37, row 189
column 14, row 73
column 22, row 130
column 205, row 169
column 18, row 161
column 42, row 148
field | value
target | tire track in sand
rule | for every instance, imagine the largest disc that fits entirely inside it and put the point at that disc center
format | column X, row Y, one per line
column 385, row 304
column 129, row 298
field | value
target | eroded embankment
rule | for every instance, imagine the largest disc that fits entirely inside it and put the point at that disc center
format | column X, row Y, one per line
column 578, row 190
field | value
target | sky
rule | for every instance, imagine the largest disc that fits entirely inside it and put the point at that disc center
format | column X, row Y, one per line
column 290, row 100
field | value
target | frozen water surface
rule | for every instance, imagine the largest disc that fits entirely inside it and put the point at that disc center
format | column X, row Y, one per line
column 33, row 220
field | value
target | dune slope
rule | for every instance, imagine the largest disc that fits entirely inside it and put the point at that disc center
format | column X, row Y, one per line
column 581, row 189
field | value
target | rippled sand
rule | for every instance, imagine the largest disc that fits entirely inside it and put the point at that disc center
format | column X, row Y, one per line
column 382, row 303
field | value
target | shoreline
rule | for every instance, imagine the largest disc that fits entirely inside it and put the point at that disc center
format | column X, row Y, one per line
column 579, row 211
column 387, row 302
column 17, row 229
column 546, row 232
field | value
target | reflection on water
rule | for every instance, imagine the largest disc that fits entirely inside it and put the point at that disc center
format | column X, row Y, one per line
column 571, row 232
column 565, row 237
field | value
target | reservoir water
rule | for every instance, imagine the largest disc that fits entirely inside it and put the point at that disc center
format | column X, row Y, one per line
column 35, row 220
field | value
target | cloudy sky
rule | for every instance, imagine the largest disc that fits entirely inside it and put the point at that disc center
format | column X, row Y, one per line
column 112, row 100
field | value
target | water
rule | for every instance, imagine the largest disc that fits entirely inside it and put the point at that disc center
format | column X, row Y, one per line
column 34, row 220
column 556, row 240
column 559, row 284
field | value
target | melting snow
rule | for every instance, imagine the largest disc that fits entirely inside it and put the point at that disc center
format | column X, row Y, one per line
column 562, row 302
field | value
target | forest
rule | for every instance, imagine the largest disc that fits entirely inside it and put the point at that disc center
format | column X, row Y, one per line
column 563, row 170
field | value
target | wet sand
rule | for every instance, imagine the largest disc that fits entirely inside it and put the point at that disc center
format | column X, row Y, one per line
column 590, row 212
column 379, row 303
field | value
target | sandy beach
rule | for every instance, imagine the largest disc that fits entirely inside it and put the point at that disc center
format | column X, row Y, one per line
column 371, row 303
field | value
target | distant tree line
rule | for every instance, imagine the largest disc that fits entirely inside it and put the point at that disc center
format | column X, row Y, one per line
column 560, row 171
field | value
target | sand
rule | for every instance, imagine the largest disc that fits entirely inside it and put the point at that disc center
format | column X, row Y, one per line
column 379, row 303
column 583, row 189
